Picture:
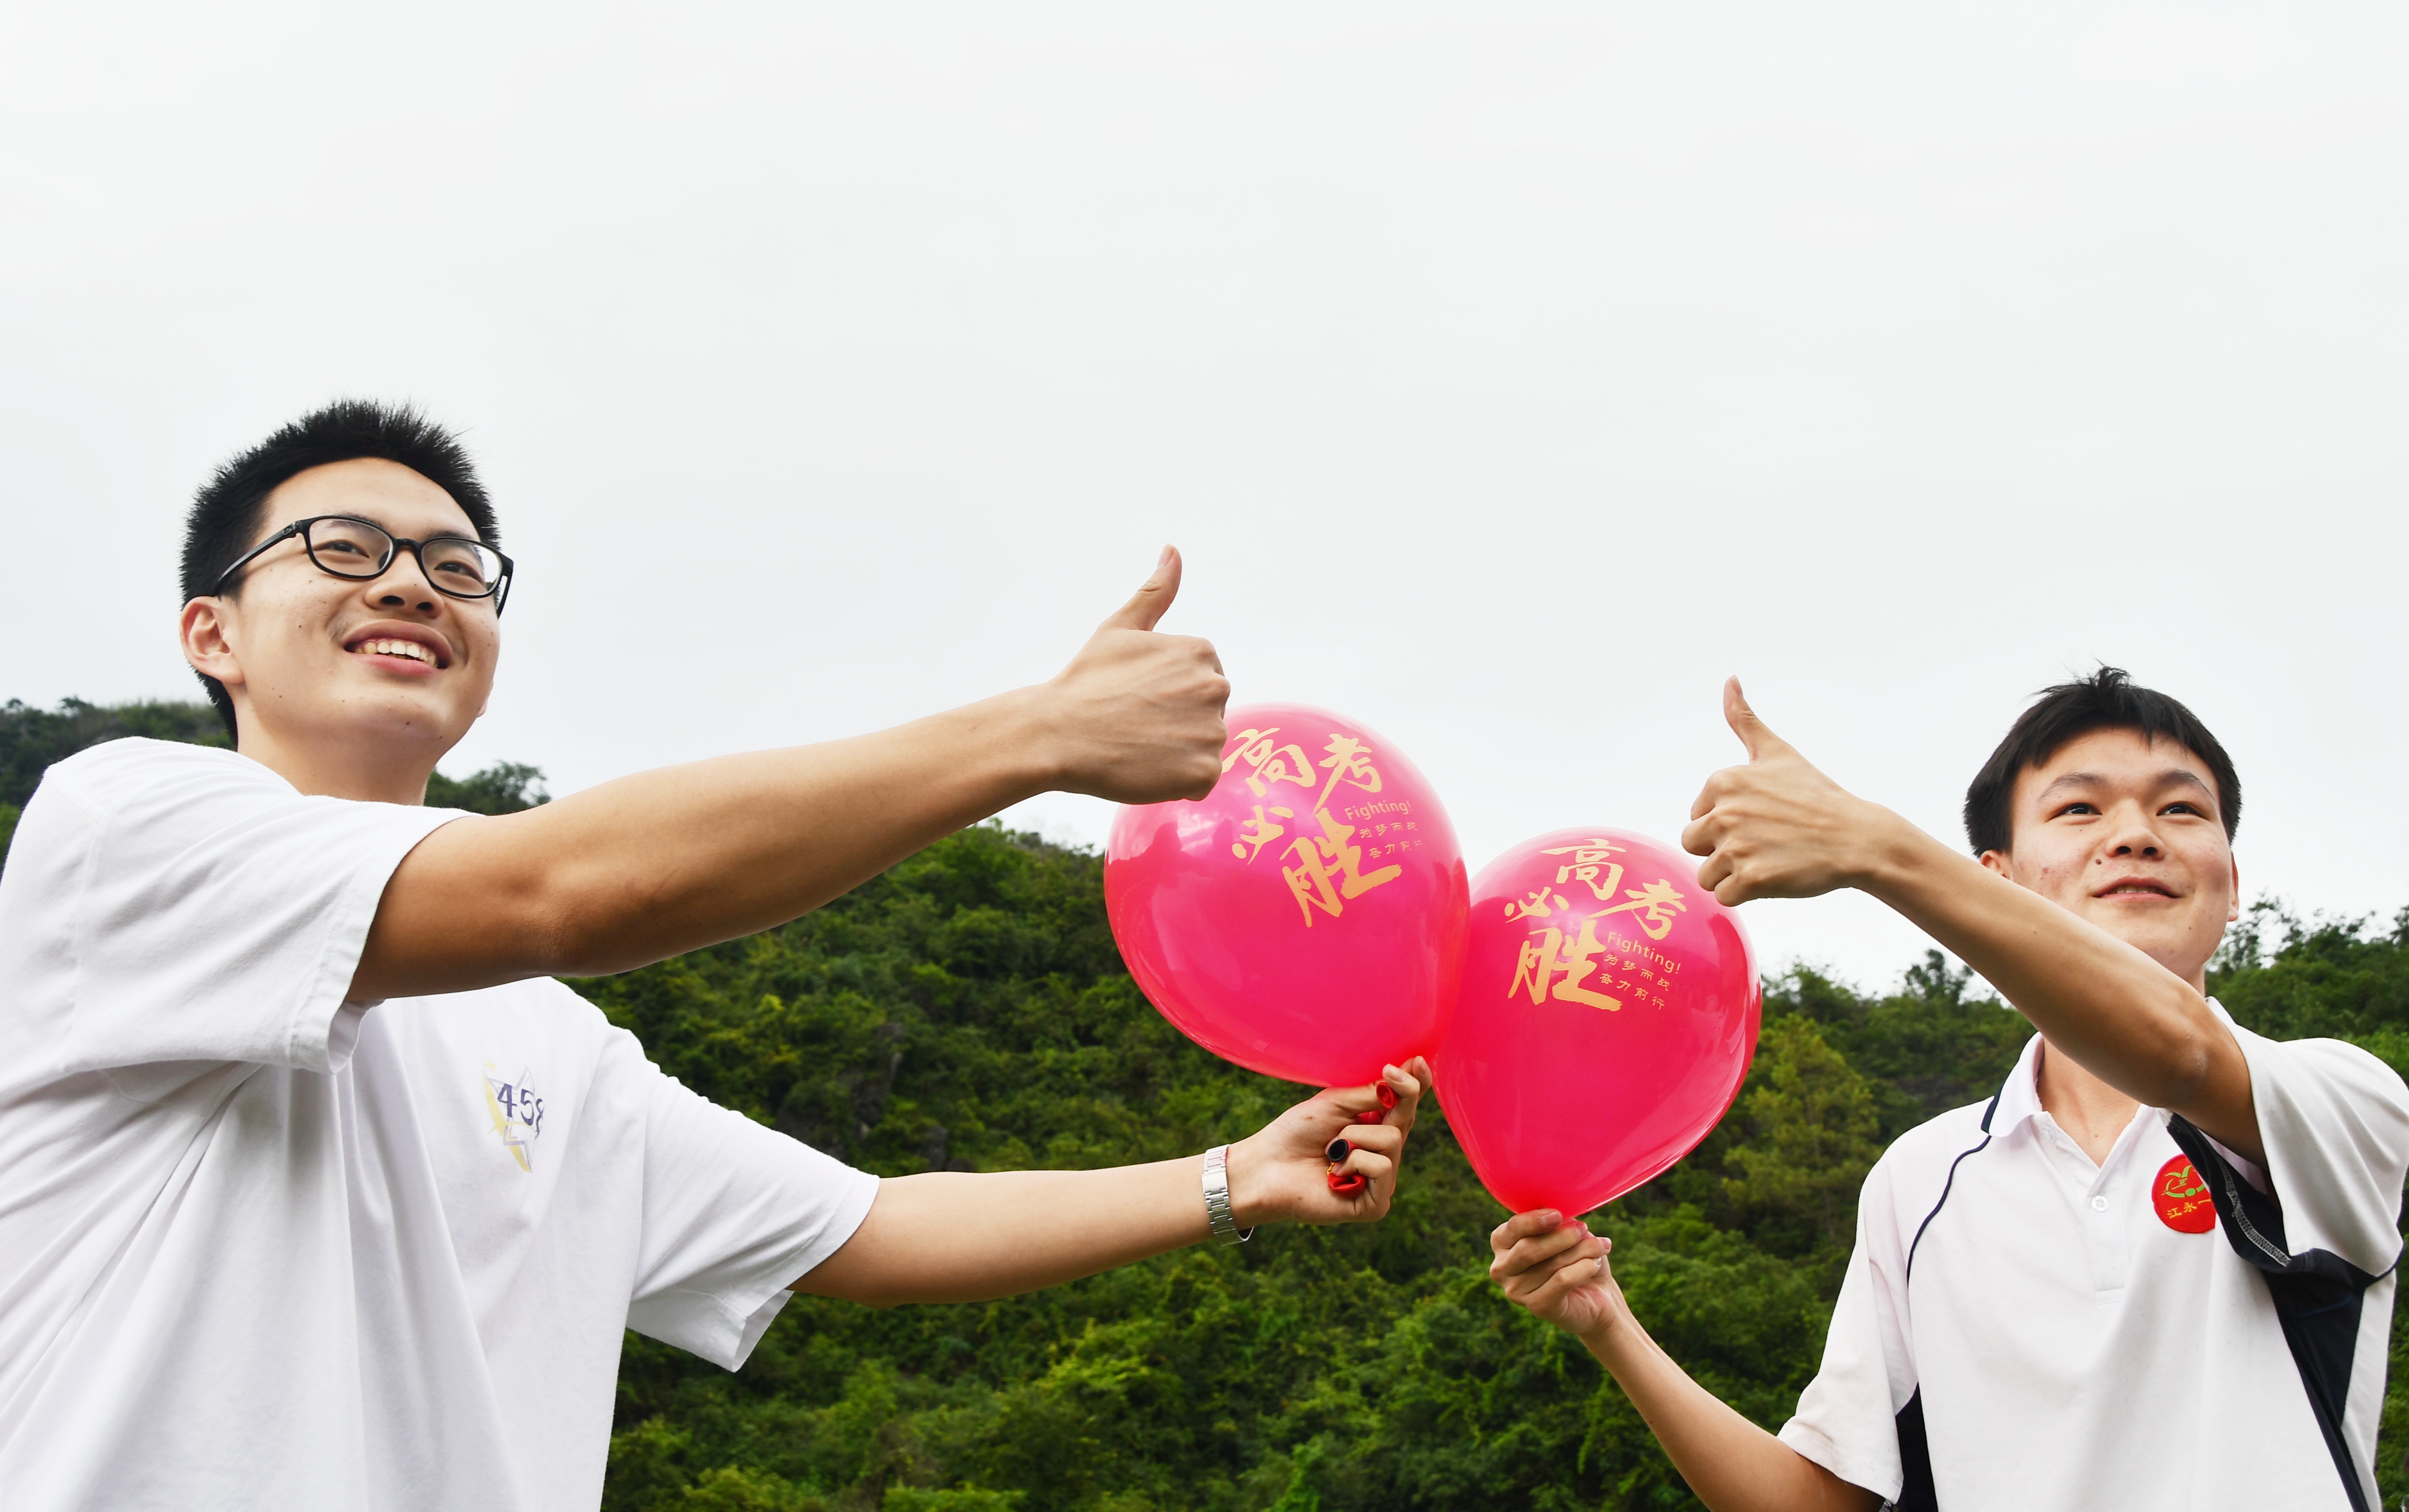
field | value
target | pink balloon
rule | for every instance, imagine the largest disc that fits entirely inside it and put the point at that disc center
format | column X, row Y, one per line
column 1305, row 919
column 1607, row 1010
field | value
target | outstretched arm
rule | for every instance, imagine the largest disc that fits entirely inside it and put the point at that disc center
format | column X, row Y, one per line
column 642, row 869
column 1557, row 1270
column 951, row 1236
column 1778, row 827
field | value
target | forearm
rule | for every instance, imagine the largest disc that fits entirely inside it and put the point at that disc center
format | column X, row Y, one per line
column 954, row 1237
column 1731, row 1464
column 645, row 867
column 2123, row 1016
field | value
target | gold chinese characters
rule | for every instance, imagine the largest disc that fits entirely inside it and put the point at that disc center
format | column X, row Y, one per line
column 1556, row 963
column 1330, row 853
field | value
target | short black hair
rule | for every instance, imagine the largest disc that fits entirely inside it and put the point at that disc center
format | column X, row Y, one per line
column 225, row 516
column 2107, row 699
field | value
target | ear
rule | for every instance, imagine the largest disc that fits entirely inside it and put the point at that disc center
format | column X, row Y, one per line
column 1997, row 861
column 208, row 641
column 2233, row 908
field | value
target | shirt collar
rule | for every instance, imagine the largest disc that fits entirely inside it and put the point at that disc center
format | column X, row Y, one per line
column 2019, row 1096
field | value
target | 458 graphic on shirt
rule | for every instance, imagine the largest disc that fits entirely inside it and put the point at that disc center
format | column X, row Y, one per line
column 517, row 1113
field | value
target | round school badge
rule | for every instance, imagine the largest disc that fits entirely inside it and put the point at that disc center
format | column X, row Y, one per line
column 2181, row 1198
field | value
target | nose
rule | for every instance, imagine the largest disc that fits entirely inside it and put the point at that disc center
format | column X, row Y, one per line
column 404, row 587
column 2134, row 837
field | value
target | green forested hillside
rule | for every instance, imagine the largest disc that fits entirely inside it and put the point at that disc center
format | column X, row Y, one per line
column 968, row 1010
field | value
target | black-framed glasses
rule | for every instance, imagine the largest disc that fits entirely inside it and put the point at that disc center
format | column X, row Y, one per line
column 346, row 546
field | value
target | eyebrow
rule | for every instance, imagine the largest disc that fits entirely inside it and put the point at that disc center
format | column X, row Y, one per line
column 2171, row 776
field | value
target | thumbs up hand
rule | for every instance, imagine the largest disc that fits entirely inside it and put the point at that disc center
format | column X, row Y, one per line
column 1777, row 828
column 1136, row 716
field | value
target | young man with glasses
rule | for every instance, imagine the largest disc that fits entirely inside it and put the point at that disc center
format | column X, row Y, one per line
column 2156, row 1271
column 316, row 1190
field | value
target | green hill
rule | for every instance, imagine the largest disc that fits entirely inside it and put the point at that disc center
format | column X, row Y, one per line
column 968, row 1011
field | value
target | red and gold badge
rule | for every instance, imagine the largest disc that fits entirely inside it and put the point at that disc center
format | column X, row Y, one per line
column 2181, row 1198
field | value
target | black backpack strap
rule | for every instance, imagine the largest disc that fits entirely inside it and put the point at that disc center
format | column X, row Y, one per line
column 1916, row 1492
column 2317, row 1293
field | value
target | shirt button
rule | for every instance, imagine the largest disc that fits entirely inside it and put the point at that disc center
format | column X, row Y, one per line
column 2099, row 1204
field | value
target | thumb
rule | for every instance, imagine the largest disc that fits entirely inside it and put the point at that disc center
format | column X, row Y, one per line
column 1760, row 741
column 1153, row 597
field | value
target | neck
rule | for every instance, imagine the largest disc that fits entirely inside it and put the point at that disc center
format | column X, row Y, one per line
column 2090, row 1111
column 364, row 768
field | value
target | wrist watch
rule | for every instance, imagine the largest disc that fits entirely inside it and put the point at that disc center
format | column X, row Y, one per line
column 1217, row 1198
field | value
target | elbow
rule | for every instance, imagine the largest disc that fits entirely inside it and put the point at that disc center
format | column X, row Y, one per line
column 2187, row 1070
column 556, row 938
column 593, row 918
column 2192, row 1056
column 570, row 950
column 571, row 928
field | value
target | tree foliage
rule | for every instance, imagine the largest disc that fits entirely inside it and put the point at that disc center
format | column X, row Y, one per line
column 968, row 1011
column 504, row 787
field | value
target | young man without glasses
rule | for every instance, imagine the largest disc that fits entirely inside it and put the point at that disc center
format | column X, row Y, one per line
column 2156, row 1270
column 317, row 1192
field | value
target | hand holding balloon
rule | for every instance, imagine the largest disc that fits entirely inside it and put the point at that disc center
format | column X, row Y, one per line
column 1778, row 827
column 1282, row 1172
column 1344, row 1179
column 1556, row 1268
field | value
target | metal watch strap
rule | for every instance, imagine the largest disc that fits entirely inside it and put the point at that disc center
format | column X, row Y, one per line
column 1217, row 1198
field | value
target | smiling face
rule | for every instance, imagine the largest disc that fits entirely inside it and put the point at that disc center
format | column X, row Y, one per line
column 2128, row 834
column 343, row 686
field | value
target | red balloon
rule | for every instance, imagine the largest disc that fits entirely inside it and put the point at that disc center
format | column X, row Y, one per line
column 1305, row 919
column 1608, row 1011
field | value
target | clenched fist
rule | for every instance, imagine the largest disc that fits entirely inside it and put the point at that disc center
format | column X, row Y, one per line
column 1136, row 717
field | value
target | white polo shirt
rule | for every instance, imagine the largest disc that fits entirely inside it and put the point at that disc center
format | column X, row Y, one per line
column 2077, row 1335
column 264, row 1248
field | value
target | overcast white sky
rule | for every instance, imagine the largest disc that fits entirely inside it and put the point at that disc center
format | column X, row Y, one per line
column 1509, row 375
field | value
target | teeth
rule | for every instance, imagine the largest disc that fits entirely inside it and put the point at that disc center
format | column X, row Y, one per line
column 410, row 649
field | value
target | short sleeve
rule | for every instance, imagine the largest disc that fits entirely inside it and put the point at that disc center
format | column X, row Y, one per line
column 1847, row 1419
column 2335, row 1123
column 201, row 909
column 733, row 1213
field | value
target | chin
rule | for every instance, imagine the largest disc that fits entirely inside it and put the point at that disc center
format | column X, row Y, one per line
column 2144, row 927
column 415, row 719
